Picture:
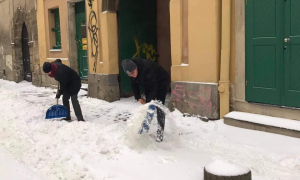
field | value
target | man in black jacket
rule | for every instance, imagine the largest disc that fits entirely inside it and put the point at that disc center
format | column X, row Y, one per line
column 70, row 85
column 156, row 81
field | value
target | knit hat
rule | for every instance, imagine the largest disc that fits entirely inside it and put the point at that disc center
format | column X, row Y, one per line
column 128, row 65
column 47, row 67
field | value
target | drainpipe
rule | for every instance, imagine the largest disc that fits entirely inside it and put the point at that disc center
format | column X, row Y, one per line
column 225, row 58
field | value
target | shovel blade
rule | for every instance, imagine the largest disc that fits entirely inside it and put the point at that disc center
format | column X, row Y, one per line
column 56, row 111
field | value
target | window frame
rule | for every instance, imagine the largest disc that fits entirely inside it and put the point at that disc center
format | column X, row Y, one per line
column 56, row 28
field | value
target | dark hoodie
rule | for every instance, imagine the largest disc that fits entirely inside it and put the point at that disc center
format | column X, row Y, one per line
column 150, row 75
column 68, row 79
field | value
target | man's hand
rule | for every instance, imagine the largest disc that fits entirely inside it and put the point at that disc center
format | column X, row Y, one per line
column 142, row 101
column 57, row 96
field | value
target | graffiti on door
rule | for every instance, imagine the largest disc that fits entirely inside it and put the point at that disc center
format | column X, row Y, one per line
column 194, row 99
column 93, row 32
column 90, row 3
column 145, row 49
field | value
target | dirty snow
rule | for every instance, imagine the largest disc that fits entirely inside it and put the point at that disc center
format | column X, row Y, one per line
column 107, row 148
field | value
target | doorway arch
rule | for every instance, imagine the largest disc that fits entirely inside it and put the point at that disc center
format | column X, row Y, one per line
column 26, row 54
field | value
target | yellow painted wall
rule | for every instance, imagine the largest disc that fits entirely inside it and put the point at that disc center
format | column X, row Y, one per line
column 62, row 5
column 203, row 41
column 107, row 51
column 44, row 30
column 94, row 35
column 109, row 31
column 106, row 35
column 41, row 31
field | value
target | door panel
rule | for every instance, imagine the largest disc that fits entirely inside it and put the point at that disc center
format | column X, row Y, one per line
column 264, row 51
column 80, row 17
column 265, row 67
column 291, row 95
column 137, row 33
column 264, row 18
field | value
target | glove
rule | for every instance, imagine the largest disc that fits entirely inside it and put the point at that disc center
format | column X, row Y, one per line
column 57, row 96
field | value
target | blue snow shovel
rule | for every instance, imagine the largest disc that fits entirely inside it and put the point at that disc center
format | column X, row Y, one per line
column 56, row 111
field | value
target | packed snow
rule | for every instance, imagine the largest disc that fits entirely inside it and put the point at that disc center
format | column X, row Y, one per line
column 107, row 146
column 266, row 120
column 10, row 169
column 223, row 168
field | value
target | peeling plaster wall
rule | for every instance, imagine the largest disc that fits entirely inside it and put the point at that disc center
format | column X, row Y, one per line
column 13, row 14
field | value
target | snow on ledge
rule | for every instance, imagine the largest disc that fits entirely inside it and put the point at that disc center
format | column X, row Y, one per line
column 265, row 120
column 222, row 168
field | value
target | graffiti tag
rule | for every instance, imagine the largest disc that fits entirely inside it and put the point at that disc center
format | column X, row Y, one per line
column 93, row 32
column 90, row 3
column 146, row 49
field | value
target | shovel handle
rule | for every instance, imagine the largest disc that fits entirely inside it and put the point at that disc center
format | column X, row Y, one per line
column 56, row 93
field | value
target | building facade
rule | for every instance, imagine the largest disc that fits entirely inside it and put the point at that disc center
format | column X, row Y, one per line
column 93, row 36
column 221, row 55
column 240, row 55
column 19, row 53
column 266, row 66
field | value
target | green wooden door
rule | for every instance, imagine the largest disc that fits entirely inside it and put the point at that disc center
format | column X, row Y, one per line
column 138, row 33
column 273, row 52
column 264, row 51
column 292, row 54
column 80, row 18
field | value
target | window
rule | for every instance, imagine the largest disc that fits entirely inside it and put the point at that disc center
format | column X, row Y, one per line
column 56, row 29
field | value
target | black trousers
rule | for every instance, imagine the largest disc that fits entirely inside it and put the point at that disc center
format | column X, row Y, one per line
column 76, row 106
column 161, row 96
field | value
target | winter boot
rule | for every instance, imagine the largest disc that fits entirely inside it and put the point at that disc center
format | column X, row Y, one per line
column 67, row 119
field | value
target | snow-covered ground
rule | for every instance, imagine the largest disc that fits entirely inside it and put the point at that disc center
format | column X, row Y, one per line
column 10, row 169
column 102, row 148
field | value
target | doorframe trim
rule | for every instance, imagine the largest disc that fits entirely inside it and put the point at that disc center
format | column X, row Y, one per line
column 240, row 62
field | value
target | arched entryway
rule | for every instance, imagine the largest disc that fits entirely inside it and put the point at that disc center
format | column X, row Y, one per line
column 26, row 54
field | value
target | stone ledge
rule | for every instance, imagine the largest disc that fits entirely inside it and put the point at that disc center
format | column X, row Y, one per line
column 267, row 110
column 196, row 98
column 104, row 79
column 103, row 86
column 261, row 127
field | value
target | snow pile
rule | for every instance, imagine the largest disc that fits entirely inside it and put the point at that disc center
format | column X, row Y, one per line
column 223, row 168
column 132, row 137
column 147, row 140
column 101, row 148
column 265, row 120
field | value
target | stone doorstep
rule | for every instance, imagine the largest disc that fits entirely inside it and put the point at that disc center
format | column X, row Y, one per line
column 261, row 127
column 85, row 81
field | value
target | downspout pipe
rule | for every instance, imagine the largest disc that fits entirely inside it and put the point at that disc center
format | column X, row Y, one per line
column 225, row 58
